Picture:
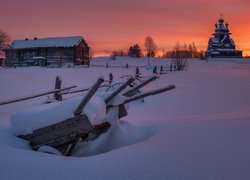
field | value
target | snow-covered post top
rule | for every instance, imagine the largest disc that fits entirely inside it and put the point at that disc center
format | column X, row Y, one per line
column 133, row 90
column 116, row 92
column 88, row 96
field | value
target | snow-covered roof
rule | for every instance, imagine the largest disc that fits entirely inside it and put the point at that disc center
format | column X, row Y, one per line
column 214, row 40
column 39, row 57
column 2, row 57
column 215, row 52
column 46, row 42
column 232, row 41
column 225, row 37
column 221, row 50
column 226, row 50
column 222, row 27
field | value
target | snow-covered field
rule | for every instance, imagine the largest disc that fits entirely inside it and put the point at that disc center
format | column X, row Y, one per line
column 200, row 130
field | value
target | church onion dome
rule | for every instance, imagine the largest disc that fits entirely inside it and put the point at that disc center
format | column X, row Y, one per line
column 227, row 25
column 221, row 21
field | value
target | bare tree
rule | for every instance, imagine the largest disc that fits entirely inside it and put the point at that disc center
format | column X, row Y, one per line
column 151, row 47
column 163, row 52
column 195, row 52
column 179, row 59
column 4, row 39
column 190, row 49
column 91, row 53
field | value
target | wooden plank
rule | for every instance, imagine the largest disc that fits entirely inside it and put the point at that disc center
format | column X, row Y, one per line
column 34, row 96
column 88, row 96
column 135, row 89
column 150, row 93
column 120, row 89
column 61, row 133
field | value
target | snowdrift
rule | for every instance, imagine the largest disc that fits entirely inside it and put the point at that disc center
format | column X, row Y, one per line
column 24, row 122
column 199, row 131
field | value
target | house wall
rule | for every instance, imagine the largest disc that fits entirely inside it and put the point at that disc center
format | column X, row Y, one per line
column 11, row 57
column 57, row 56
column 225, row 54
column 53, row 56
column 60, row 56
column 2, row 62
column 82, row 53
column 26, row 56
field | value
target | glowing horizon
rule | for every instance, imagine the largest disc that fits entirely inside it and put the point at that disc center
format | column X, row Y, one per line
column 117, row 24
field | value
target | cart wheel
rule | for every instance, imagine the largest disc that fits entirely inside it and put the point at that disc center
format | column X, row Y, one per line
column 49, row 150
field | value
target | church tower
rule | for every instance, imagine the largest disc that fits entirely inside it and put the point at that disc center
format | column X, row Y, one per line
column 221, row 45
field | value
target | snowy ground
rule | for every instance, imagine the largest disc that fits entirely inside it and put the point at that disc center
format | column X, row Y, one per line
column 200, row 130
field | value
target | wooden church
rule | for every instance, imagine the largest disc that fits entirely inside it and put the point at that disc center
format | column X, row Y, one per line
column 221, row 45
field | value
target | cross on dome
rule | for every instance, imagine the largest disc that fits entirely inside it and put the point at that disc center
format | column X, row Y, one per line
column 221, row 20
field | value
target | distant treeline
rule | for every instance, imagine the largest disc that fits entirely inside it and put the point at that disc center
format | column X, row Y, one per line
column 151, row 50
column 184, row 51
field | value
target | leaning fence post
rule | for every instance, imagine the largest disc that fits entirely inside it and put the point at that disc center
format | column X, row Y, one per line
column 110, row 78
column 155, row 70
column 135, row 89
column 161, row 70
column 137, row 72
column 58, row 84
column 120, row 89
column 88, row 96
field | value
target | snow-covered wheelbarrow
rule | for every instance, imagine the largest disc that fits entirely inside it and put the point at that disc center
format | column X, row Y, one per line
column 62, row 136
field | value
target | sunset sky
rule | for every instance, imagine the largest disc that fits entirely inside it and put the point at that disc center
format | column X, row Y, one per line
column 109, row 25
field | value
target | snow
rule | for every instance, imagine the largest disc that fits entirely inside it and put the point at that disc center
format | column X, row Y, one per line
column 38, row 57
column 2, row 57
column 214, row 40
column 200, row 130
column 24, row 122
column 235, row 60
column 47, row 42
column 221, row 49
column 215, row 52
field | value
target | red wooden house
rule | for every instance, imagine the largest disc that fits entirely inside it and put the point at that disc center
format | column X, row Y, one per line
column 56, row 51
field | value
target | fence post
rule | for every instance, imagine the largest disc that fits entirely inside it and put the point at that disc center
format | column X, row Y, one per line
column 110, row 78
column 58, row 84
column 137, row 72
column 155, row 70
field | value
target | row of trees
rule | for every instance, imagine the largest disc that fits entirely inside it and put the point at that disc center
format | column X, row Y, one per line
column 135, row 50
column 151, row 49
column 185, row 51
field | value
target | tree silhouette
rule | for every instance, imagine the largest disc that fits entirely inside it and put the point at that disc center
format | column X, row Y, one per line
column 150, row 46
column 4, row 39
column 179, row 59
column 135, row 51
